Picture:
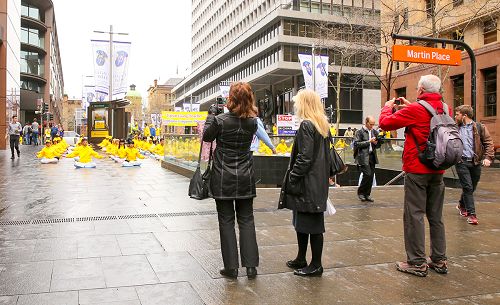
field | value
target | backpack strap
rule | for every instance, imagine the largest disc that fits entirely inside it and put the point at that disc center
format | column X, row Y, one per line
column 428, row 107
column 445, row 108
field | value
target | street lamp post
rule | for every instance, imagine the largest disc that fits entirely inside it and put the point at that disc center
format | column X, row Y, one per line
column 110, row 93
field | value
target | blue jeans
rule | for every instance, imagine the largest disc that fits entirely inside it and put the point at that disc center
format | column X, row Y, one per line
column 35, row 138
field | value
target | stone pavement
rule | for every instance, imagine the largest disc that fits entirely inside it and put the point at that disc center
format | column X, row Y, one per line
column 129, row 236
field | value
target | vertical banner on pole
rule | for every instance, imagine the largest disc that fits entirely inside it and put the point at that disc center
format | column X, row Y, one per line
column 121, row 54
column 102, row 60
column 321, row 73
column 186, row 107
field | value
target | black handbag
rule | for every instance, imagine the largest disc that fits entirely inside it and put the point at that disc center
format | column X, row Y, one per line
column 337, row 166
column 199, row 186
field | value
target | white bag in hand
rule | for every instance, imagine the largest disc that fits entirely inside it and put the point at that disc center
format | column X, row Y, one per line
column 330, row 209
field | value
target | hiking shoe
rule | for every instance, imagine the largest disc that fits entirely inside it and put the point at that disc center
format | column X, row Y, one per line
column 462, row 211
column 418, row 270
column 472, row 219
column 440, row 267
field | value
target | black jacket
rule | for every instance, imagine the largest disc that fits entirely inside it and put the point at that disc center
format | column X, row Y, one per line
column 362, row 147
column 305, row 188
column 232, row 168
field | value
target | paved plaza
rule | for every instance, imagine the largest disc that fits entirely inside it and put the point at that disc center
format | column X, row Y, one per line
column 130, row 236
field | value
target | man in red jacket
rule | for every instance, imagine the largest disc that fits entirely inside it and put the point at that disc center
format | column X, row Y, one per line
column 424, row 187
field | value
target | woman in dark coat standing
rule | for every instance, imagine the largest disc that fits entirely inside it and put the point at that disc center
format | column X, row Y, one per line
column 305, row 189
column 232, row 182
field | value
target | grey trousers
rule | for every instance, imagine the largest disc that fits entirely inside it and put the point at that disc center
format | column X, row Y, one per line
column 248, row 242
column 424, row 195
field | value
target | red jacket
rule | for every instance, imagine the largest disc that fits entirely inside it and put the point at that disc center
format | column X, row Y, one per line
column 416, row 119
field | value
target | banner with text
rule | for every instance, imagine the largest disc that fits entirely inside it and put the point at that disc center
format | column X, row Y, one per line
column 102, row 60
column 287, row 124
column 183, row 118
column 320, row 70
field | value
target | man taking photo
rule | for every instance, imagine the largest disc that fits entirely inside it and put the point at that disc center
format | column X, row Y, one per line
column 478, row 150
column 365, row 154
column 423, row 186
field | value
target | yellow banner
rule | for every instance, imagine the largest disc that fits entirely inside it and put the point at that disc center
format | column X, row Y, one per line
column 183, row 118
column 99, row 125
column 99, row 133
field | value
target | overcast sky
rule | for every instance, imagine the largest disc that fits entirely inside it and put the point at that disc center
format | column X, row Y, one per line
column 160, row 32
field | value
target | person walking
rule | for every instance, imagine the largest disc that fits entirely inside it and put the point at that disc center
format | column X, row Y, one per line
column 423, row 186
column 305, row 189
column 478, row 150
column 365, row 155
column 14, row 132
column 232, row 182
column 26, row 134
column 35, row 132
column 54, row 131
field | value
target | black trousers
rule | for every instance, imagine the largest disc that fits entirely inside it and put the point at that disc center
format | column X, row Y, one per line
column 248, row 242
column 424, row 196
column 368, row 170
column 14, row 143
column 469, row 175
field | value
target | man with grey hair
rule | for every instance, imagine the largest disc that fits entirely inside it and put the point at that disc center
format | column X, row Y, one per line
column 424, row 187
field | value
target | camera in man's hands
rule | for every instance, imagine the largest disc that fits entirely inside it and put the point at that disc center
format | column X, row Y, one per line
column 398, row 101
column 218, row 107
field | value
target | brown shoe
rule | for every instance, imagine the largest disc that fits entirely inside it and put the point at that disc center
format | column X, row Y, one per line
column 418, row 270
column 440, row 267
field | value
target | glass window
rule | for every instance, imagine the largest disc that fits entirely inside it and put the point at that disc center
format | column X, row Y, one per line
column 490, row 91
column 457, row 2
column 429, row 7
column 490, row 31
column 305, row 5
column 458, row 89
column 458, row 35
column 401, row 92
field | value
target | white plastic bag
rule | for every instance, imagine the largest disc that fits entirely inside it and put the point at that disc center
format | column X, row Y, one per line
column 330, row 209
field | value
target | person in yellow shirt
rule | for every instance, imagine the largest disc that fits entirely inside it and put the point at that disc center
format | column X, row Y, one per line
column 47, row 155
column 85, row 153
column 333, row 130
column 121, row 152
column 275, row 130
column 341, row 144
column 147, row 131
column 132, row 154
column 282, row 148
column 112, row 147
column 159, row 150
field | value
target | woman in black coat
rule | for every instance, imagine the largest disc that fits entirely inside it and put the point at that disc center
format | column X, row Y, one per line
column 232, row 183
column 305, row 189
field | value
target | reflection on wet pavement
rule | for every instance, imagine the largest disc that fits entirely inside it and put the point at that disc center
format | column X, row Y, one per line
column 132, row 236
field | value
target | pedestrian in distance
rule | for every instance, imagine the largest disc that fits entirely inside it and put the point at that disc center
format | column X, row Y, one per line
column 348, row 134
column 478, row 150
column 14, row 131
column 54, row 131
column 305, row 187
column 27, row 134
column 366, row 142
column 35, row 132
column 232, row 183
column 423, row 186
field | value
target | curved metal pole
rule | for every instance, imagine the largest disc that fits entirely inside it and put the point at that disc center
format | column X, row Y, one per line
column 456, row 43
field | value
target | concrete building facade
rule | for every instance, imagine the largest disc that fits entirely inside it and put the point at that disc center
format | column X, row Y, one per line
column 10, row 21
column 475, row 23
column 41, row 68
column 257, row 41
column 69, row 113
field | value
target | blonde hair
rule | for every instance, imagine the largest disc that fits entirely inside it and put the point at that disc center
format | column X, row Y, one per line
column 308, row 106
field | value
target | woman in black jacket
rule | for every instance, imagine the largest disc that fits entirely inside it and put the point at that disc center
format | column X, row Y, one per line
column 305, row 189
column 232, row 182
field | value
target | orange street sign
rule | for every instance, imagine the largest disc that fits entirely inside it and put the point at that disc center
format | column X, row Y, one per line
column 426, row 55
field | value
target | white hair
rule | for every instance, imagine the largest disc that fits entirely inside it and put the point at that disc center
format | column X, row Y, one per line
column 430, row 83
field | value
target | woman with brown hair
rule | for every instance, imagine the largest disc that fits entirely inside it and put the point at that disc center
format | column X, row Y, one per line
column 232, row 182
column 305, row 189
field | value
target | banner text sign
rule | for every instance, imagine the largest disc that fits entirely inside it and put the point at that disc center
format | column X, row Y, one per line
column 183, row 118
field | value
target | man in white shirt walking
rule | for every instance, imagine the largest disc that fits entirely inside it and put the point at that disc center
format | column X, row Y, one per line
column 14, row 132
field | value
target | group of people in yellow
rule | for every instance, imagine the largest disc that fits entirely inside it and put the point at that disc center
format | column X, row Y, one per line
column 52, row 151
column 58, row 148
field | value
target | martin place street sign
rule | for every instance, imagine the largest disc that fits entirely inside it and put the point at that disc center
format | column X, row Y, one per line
column 426, row 55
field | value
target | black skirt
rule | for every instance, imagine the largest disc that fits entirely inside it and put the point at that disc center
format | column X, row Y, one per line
column 309, row 223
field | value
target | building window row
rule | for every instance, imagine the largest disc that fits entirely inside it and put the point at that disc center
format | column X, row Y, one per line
column 28, row 10
column 331, row 31
column 33, row 37
column 333, row 7
column 237, row 55
column 490, row 91
column 32, row 63
column 358, row 58
column 245, row 71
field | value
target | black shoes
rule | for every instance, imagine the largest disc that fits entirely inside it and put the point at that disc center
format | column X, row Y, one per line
column 251, row 272
column 311, row 272
column 362, row 198
column 369, row 199
column 230, row 273
column 12, row 158
column 295, row 264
